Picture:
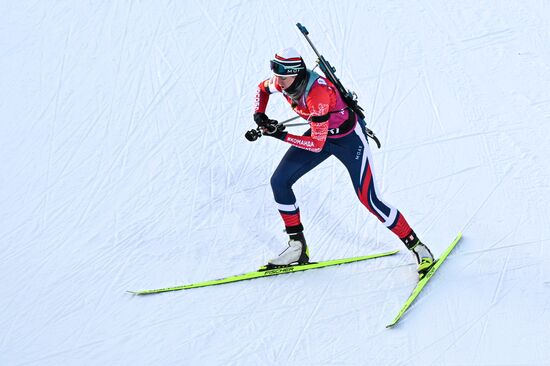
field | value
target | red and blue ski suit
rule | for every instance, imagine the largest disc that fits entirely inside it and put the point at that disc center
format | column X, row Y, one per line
column 334, row 130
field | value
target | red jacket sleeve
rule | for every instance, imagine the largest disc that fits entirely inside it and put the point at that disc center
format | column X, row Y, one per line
column 265, row 88
column 262, row 97
column 315, row 142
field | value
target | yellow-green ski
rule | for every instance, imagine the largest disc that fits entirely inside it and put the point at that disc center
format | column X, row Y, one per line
column 264, row 273
column 424, row 281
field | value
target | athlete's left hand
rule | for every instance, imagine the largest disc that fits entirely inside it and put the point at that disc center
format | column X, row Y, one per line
column 269, row 127
column 274, row 130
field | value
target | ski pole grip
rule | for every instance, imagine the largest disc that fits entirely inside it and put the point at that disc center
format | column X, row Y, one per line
column 302, row 29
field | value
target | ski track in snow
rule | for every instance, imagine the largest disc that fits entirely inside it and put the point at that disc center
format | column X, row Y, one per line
column 125, row 167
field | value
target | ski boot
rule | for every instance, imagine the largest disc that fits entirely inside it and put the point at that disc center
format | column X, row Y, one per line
column 424, row 256
column 297, row 252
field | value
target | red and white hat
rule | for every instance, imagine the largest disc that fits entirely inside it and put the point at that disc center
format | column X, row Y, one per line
column 287, row 62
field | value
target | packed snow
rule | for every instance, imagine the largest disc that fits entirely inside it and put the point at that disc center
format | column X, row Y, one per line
column 125, row 167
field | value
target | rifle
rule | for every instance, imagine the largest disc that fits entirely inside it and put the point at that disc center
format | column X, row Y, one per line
column 349, row 97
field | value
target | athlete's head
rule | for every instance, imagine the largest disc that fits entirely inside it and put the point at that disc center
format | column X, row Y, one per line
column 289, row 69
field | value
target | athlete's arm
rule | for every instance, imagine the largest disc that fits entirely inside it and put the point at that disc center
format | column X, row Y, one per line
column 319, row 102
column 265, row 88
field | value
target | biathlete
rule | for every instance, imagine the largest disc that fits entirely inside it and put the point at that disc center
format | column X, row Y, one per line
column 334, row 130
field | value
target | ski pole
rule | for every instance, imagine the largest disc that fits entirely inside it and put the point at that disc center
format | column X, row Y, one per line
column 255, row 133
column 296, row 124
column 289, row 120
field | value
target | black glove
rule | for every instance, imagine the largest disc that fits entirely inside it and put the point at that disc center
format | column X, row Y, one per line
column 261, row 119
column 274, row 130
column 269, row 127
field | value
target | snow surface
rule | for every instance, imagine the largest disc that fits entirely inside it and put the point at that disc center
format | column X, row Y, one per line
column 124, row 167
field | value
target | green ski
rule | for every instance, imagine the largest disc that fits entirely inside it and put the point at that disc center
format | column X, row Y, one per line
column 264, row 273
column 424, row 281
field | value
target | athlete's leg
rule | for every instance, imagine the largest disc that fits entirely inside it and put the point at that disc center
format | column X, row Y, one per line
column 295, row 163
column 354, row 152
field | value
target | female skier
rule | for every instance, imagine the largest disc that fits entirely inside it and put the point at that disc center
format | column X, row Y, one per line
column 335, row 130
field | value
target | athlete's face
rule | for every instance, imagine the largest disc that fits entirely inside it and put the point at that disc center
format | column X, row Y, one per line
column 285, row 81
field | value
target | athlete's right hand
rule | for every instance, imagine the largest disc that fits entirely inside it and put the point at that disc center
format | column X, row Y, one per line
column 262, row 120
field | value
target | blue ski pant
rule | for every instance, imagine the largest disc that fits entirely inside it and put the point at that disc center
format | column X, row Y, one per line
column 353, row 151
